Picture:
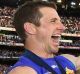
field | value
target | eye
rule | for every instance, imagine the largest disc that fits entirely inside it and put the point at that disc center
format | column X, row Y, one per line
column 54, row 20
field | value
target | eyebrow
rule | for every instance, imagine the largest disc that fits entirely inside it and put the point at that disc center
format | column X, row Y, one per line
column 55, row 19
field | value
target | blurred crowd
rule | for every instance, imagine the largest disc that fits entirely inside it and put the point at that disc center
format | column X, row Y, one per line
column 6, row 15
column 72, row 24
column 75, row 43
column 3, row 68
column 7, row 11
column 9, row 39
column 12, row 53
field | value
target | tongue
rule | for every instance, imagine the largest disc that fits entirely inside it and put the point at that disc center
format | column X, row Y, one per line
column 55, row 40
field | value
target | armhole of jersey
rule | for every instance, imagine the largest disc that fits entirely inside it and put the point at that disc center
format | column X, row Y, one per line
column 71, row 64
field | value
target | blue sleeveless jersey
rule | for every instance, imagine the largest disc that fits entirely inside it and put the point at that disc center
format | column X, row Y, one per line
column 66, row 64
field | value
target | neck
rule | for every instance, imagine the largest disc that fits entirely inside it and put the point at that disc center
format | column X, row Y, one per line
column 38, row 49
column 40, row 52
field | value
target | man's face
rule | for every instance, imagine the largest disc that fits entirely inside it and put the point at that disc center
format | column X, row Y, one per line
column 50, row 29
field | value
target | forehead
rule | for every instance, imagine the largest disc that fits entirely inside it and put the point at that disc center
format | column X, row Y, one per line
column 49, row 12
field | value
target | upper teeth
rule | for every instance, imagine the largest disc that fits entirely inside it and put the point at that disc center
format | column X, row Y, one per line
column 57, row 35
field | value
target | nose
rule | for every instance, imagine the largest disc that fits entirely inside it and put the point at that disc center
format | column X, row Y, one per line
column 61, row 27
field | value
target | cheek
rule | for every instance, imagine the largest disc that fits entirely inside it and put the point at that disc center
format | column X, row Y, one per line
column 42, row 35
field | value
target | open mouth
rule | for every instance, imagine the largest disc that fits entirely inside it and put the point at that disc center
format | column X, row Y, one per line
column 55, row 39
column 56, row 36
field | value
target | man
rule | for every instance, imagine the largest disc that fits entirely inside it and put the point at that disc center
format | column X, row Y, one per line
column 40, row 27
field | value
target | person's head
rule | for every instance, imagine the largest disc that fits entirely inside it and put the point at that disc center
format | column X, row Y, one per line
column 29, row 12
column 39, row 21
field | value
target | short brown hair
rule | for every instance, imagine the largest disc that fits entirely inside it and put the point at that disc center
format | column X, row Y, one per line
column 29, row 12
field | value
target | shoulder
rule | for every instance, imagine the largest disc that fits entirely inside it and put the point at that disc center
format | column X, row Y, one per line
column 70, row 57
column 23, row 70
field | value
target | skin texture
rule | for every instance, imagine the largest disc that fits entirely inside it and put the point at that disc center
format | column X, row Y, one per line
column 39, row 39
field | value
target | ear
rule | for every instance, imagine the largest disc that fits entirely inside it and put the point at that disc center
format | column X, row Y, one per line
column 30, row 28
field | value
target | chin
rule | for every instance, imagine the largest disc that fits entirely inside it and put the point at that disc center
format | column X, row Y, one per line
column 55, row 50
